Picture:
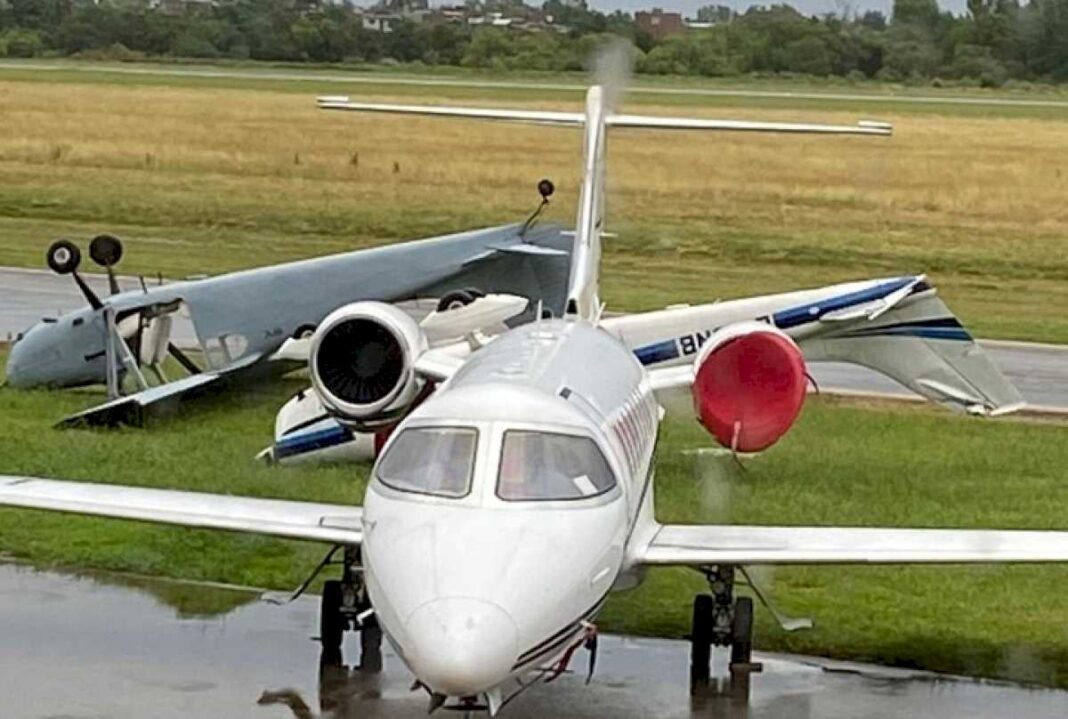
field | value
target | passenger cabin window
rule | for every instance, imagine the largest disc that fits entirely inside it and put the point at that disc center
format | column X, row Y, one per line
column 430, row 460
column 547, row 466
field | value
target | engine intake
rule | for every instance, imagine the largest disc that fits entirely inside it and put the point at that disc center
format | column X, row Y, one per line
column 749, row 385
column 361, row 363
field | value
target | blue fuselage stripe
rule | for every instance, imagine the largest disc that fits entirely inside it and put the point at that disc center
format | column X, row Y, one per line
column 812, row 311
column 659, row 352
column 310, row 441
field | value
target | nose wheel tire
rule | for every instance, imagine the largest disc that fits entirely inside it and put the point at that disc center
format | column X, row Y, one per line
column 331, row 620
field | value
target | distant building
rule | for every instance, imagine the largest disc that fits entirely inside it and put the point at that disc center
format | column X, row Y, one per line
column 380, row 21
column 179, row 7
column 384, row 16
column 659, row 24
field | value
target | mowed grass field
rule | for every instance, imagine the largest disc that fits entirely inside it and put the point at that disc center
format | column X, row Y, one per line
column 842, row 464
column 207, row 175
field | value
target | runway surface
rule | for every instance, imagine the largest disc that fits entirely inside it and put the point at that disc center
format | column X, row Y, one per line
column 389, row 79
column 86, row 648
column 1040, row 372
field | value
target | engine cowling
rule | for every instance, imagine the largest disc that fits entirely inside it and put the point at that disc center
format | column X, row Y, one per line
column 749, row 385
column 361, row 364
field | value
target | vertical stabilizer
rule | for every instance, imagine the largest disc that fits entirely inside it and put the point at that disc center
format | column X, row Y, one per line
column 583, row 298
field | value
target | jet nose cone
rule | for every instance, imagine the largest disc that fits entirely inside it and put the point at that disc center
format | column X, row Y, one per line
column 461, row 647
column 14, row 369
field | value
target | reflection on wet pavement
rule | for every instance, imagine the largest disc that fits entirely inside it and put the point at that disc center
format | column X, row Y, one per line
column 79, row 647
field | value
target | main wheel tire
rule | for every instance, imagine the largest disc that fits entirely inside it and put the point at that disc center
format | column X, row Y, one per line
column 742, row 631
column 304, row 332
column 475, row 292
column 454, row 300
column 371, row 647
column 331, row 623
column 701, row 641
column 63, row 257
column 105, row 250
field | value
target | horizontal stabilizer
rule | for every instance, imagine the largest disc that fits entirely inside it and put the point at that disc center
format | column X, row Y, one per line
column 678, row 544
column 867, row 127
column 340, row 524
column 522, row 249
column 482, row 113
column 689, row 123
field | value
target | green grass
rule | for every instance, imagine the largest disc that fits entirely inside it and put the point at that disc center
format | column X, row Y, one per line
column 847, row 465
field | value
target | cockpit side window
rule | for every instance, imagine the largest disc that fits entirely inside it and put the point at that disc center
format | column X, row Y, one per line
column 430, row 460
column 550, row 466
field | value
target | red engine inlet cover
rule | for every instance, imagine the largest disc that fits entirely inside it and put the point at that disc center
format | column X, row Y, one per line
column 752, row 385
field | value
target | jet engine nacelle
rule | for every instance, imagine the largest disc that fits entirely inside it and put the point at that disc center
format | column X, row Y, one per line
column 749, row 385
column 361, row 364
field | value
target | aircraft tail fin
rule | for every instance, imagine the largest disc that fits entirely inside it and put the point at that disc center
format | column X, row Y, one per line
column 583, row 300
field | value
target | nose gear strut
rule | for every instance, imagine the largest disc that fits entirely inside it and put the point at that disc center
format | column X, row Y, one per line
column 344, row 605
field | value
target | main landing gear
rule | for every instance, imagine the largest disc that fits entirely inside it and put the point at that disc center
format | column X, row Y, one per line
column 345, row 606
column 721, row 620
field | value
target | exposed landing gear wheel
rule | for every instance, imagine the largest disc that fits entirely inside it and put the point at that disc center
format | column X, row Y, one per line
column 701, row 642
column 742, row 633
column 371, row 647
column 63, row 257
column 105, row 250
column 720, row 620
column 458, row 298
column 332, row 621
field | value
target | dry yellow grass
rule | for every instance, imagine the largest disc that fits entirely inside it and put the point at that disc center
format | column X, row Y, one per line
column 207, row 179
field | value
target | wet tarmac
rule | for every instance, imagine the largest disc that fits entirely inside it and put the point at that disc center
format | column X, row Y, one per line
column 88, row 648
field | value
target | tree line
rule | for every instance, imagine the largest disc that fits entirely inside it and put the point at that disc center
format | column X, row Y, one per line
column 995, row 41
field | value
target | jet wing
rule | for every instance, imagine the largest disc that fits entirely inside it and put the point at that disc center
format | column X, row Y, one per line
column 337, row 524
column 695, row 545
column 899, row 328
column 923, row 346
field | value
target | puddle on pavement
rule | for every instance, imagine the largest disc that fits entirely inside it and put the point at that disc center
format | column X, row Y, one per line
column 106, row 646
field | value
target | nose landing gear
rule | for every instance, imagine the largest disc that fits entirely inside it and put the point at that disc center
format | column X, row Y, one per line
column 344, row 606
column 721, row 620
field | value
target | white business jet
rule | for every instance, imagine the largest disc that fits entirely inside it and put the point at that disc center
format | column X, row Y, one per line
column 506, row 506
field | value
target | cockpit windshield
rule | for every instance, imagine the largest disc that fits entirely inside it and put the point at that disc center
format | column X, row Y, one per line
column 430, row 460
column 548, row 466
